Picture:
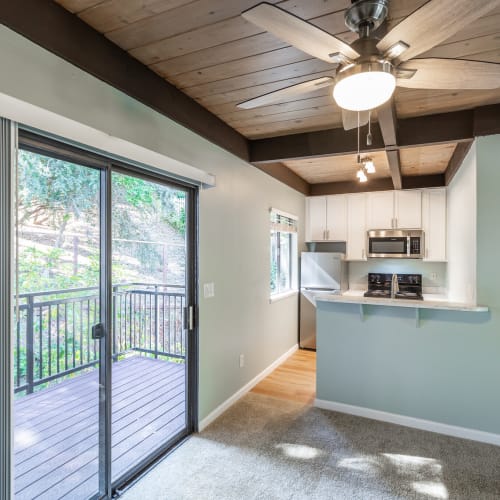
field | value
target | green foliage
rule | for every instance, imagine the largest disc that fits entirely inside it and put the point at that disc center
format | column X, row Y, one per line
column 64, row 198
column 59, row 248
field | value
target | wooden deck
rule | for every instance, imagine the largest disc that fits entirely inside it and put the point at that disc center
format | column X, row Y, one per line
column 56, row 430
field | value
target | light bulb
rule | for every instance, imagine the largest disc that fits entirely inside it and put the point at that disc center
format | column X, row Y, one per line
column 361, row 175
column 365, row 86
column 369, row 167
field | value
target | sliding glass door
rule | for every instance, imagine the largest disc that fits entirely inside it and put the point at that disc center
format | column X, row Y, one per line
column 57, row 360
column 149, row 339
column 104, row 361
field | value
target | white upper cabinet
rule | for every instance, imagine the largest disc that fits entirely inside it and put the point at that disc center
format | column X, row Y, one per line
column 394, row 210
column 356, row 227
column 380, row 210
column 347, row 217
column 408, row 209
column 434, row 224
column 316, row 218
column 326, row 218
column 336, row 217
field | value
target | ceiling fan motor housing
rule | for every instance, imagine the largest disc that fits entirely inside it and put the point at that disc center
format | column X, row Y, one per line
column 364, row 16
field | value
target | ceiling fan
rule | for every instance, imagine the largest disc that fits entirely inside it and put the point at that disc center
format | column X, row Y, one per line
column 368, row 70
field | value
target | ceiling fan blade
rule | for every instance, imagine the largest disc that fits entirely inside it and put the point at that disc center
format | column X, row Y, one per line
column 282, row 94
column 459, row 74
column 350, row 119
column 433, row 23
column 297, row 32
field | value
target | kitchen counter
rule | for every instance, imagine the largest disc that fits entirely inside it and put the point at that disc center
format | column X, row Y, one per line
column 431, row 301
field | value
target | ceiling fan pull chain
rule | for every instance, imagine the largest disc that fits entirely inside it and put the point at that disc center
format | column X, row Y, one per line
column 359, row 155
column 369, row 136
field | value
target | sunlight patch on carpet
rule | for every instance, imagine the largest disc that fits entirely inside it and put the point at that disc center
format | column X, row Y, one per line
column 300, row 451
column 433, row 489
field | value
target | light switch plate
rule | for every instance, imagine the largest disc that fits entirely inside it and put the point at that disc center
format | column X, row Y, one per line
column 209, row 290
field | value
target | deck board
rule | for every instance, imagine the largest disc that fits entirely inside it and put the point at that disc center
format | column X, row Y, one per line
column 56, row 429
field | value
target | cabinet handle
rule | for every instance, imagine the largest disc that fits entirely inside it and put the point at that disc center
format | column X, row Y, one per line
column 392, row 223
column 362, row 253
column 327, row 234
column 324, row 234
column 426, row 253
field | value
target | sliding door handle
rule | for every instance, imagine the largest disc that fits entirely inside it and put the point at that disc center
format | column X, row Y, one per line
column 98, row 331
column 189, row 318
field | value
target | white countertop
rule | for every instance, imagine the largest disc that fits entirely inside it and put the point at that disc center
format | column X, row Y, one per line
column 431, row 301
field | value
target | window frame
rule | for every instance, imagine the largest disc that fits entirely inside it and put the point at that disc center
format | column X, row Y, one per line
column 275, row 242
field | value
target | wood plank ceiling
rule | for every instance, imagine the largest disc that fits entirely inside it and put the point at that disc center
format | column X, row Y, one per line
column 426, row 160
column 208, row 51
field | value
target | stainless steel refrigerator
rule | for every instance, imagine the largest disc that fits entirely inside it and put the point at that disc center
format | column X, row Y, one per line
column 320, row 273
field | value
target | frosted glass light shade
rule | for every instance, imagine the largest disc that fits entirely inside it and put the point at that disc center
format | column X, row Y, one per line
column 364, row 90
column 369, row 166
column 361, row 175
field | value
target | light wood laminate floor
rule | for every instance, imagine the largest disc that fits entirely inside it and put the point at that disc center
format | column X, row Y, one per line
column 295, row 379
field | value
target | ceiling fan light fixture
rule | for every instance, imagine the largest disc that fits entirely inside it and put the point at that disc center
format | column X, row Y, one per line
column 364, row 86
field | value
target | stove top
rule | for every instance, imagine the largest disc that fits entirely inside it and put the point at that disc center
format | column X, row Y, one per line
column 410, row 286
column 378, row 293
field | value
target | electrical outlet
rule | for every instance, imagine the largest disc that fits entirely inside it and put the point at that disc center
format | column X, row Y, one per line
column 434, row 276
column 242, row 360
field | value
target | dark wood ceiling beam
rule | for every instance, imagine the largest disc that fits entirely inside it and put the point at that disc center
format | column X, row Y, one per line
column 52, row 27
column 408, row 182
column 287, row 176
column 330, row 142
column 395, row 168
column 487, row 120
column 443, row 128
column 423, row 181
column 456, row 160
column 326, row 188
column 388, row 124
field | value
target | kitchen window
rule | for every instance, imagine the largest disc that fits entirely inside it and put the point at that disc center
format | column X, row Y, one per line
column 283, row 254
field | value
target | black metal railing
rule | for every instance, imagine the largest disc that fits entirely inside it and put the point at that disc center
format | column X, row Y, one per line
column 53, row 332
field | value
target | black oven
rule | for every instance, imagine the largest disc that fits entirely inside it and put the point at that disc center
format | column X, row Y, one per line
column 395, row 243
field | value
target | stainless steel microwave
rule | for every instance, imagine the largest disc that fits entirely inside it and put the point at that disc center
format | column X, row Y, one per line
column 395, row 243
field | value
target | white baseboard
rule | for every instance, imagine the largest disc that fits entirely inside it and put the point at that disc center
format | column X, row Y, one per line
column 416, row 423
column 202, row 424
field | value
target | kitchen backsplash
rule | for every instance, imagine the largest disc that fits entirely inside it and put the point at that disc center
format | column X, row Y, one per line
column 433, row 273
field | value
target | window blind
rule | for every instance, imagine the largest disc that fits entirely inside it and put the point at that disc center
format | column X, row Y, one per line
column 283, row 222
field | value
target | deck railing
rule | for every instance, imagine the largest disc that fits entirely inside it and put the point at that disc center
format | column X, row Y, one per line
column 53, row 332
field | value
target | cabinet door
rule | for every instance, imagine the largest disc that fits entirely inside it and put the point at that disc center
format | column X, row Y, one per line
column 315, row 218
column 336, row 218
column 434, row 224
column 356, row 227
column 380, row 213
column 408, row 209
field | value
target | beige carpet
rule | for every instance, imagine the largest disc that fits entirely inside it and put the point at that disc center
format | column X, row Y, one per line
column 266, row 448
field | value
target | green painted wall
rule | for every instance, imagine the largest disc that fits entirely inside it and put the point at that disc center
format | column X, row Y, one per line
column 234, row 215
column 448, row 370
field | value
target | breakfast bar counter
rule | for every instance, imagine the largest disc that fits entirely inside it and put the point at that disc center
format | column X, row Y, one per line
column 431, row 301
column 408, row 361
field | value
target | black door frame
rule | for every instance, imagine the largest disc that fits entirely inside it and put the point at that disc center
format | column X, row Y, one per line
column 58, row 148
